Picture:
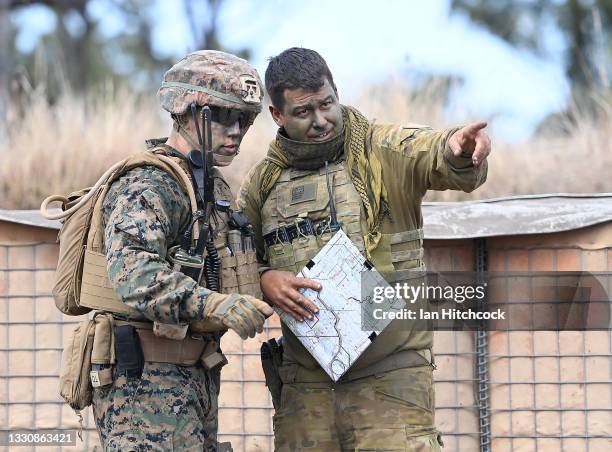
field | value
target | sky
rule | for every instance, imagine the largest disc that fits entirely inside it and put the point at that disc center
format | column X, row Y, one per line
column 365, row 42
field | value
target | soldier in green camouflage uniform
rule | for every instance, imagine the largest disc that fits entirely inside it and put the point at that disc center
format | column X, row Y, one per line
column 377, row 176
column 172, row 407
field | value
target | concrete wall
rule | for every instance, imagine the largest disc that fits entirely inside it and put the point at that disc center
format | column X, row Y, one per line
column 549, row 391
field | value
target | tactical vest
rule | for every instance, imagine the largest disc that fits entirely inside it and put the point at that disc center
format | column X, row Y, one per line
column 238, row 269
column 298, row 195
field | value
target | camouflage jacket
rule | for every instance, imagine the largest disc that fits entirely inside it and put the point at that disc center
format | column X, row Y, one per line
column 414, row 159
column 144, row 213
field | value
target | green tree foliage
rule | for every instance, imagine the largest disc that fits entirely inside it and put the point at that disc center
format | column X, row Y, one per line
column 584, row 24
column 586, row 28
column 78, row 55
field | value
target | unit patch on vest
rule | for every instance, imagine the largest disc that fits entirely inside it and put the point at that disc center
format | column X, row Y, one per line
column 304, row 192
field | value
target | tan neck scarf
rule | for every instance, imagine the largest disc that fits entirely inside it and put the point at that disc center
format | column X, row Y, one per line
column 309, row 156
column 363, row 166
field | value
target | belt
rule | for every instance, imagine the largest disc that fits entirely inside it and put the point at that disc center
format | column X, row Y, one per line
column 400, row 360
column 186, row 352
column 294, row 373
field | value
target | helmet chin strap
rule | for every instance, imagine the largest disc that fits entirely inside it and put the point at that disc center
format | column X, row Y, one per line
column 219, row 158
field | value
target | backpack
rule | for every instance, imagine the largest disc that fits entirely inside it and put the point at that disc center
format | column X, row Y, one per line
column 81, row 281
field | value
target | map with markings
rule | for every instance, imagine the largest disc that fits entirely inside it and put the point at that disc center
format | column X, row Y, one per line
column 335, row 336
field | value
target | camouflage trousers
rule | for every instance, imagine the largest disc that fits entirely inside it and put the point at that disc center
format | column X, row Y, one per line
column 393, row 411
column 169, row 408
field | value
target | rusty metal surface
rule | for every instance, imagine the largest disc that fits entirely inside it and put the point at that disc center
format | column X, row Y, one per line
column 516, row 215
column 28, row 217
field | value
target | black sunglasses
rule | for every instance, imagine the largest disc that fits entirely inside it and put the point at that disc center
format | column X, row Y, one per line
column 228, row 117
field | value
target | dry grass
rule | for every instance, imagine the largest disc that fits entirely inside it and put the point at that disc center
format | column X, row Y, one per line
column 67, row 146
column 576, row 162
column 60, row 148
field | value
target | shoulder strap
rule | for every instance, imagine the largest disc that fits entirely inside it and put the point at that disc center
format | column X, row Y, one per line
column 156, row 157
column 44, row 207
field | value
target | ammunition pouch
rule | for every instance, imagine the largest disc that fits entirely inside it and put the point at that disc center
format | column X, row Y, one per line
column 302, row 228
column 292, row 247
column 239, row 272
column 271, row 361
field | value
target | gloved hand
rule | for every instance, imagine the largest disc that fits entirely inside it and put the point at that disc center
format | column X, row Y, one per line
column 242, row 313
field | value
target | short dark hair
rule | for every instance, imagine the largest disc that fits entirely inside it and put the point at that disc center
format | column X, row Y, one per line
column 295, row 68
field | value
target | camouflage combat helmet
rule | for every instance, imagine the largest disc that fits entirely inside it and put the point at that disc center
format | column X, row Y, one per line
column 213, row 78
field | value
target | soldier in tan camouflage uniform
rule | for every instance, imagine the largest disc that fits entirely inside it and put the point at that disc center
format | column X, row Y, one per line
column 377, row 175
column 170, row 406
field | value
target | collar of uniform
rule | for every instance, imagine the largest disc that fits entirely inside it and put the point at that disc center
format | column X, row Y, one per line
column 308, row 156
column 160, row 143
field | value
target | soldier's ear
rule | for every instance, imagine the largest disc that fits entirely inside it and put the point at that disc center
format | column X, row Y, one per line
column 277, row 116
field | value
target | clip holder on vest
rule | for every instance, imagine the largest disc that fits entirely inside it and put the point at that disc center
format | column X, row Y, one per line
column 241, row 234
column 286, row 234
column 178, row 257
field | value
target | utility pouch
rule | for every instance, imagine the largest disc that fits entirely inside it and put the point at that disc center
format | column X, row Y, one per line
column 212, row 357
column 248, row 276
column 271, row 360
column 103, row 351
column 281, row 257
column 75, row 387
column 229, row 278
column 128, row 351
column 304, row 249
